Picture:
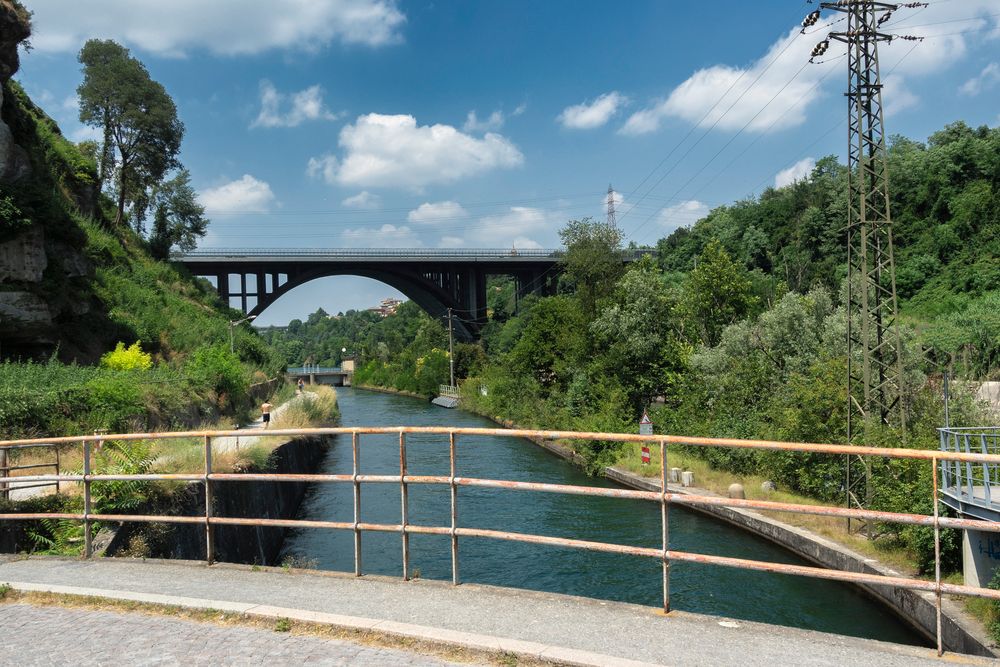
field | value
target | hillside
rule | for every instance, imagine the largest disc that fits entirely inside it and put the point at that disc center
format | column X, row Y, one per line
column 73, row 285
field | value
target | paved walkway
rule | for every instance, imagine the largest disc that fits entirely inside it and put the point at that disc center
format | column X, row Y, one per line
column 557, row 627
column 256, row 427
column 60, row 636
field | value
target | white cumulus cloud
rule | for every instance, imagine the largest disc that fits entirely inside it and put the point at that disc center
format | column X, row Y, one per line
column 289, row 110
column 983, row 81
column 772, row 94
column 451, row 242
column 591, row 114
column 896, row 95
column 363, row 200
column 491, row 123
column 245, row 195
column 518, row 227
column 797, row 172
column 227, row 27
column 324, row 167
column 437, row 211
column 682, row 215
column 393, row 151
column 386, row 236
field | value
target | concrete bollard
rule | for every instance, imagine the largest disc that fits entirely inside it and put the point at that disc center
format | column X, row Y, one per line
column 768, row 486
column 675, row 475
column 736, row 491
column 687, row 478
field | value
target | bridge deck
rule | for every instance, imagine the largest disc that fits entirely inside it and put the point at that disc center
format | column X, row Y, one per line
column 557, row 627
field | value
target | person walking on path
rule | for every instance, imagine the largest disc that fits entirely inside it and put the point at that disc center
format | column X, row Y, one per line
column 302, row 385
column 265, row 413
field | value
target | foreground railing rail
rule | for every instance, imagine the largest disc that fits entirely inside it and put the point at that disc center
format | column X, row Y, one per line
column 936, row 459
column 5, row 468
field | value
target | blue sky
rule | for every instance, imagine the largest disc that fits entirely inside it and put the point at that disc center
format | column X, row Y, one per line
column 373, row 123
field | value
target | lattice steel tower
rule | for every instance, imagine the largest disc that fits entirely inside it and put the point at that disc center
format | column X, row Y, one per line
column 612, row 222
column 873, row 390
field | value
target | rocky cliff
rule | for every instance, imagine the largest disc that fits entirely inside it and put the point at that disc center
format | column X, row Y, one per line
column 44, row 183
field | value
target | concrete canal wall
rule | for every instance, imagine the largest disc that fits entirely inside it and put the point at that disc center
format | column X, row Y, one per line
column 233, row 544
column 961, row 633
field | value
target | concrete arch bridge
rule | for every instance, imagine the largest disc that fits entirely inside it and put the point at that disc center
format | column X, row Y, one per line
column 251, row 279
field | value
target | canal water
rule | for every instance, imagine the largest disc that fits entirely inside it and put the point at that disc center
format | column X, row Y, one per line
column 770, row 598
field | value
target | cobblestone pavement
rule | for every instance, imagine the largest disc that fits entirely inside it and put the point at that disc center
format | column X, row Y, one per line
column 35, row 635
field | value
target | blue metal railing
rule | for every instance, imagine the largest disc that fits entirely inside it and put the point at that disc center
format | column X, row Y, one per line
column 971, row 488
column 303, row 370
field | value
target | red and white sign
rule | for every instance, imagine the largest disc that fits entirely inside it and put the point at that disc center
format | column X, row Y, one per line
column 645, row 454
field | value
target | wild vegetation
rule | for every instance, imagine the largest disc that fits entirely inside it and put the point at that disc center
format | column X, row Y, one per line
column 737, row 329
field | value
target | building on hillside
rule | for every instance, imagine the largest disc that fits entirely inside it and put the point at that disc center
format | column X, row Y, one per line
column 387, row 307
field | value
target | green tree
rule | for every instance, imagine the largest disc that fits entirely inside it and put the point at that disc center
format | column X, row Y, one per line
column 141, row 132
column 593, row 260
column 179, row 220
column 636, row 336
column 715, row 295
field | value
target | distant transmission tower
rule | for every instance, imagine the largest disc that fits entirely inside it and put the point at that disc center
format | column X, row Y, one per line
column 874, row 391
column 612, row 222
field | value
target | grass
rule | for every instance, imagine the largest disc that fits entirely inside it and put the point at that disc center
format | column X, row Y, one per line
column 368, row 638
column 718, row 481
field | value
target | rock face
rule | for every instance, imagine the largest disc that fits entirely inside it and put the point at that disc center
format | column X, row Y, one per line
column 23, row 259
column 15, row 27
column 24, row 314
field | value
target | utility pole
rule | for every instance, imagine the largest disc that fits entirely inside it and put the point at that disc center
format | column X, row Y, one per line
column 451, row 350
column 874, row 390
column 612, row 222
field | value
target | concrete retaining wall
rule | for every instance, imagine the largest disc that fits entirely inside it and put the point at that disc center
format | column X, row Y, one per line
column 233, row 544
column 960, row 632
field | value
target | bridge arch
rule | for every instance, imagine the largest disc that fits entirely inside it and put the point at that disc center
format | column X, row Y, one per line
column 436, row 280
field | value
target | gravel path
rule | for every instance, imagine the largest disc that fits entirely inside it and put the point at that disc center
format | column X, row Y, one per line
column 64, row 636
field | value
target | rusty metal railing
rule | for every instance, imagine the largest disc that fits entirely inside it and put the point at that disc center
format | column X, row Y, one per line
column 663, row 497
column 8, row 483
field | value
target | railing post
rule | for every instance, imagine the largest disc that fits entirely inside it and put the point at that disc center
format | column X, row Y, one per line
column 209, row 536
column 454, row 511
column 5, row 485
column 404, row 506
column 88, row 544
column 357, row 503
column 937, row 558
column 58, row 488
column 665, row 520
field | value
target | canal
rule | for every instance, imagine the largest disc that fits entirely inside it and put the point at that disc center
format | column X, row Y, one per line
column 770, row 598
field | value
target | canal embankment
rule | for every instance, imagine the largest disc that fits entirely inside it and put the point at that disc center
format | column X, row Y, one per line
column 960, row 631
column 255, row 545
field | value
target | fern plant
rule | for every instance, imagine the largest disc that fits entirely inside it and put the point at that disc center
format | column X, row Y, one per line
column 121, row 458
column 58, row 537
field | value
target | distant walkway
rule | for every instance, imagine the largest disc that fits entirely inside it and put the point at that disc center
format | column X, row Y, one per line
column 255, row 430
column 256, row 427
column 555, row 627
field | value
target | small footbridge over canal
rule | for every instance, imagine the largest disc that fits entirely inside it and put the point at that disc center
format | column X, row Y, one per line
column 544, row 626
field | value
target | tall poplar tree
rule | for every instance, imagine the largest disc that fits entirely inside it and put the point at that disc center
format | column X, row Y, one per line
column 141, row 132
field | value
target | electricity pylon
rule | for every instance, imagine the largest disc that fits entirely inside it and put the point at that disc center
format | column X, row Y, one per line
column 612, row 222
column 874, row 391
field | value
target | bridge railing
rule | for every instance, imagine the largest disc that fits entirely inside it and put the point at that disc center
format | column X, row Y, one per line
column 10, row 483
column 965, row 483
column 663, row 497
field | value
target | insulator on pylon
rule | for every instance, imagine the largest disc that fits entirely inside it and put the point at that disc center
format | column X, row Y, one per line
column 820, row 48
column 885, row 17
column 811, row 19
